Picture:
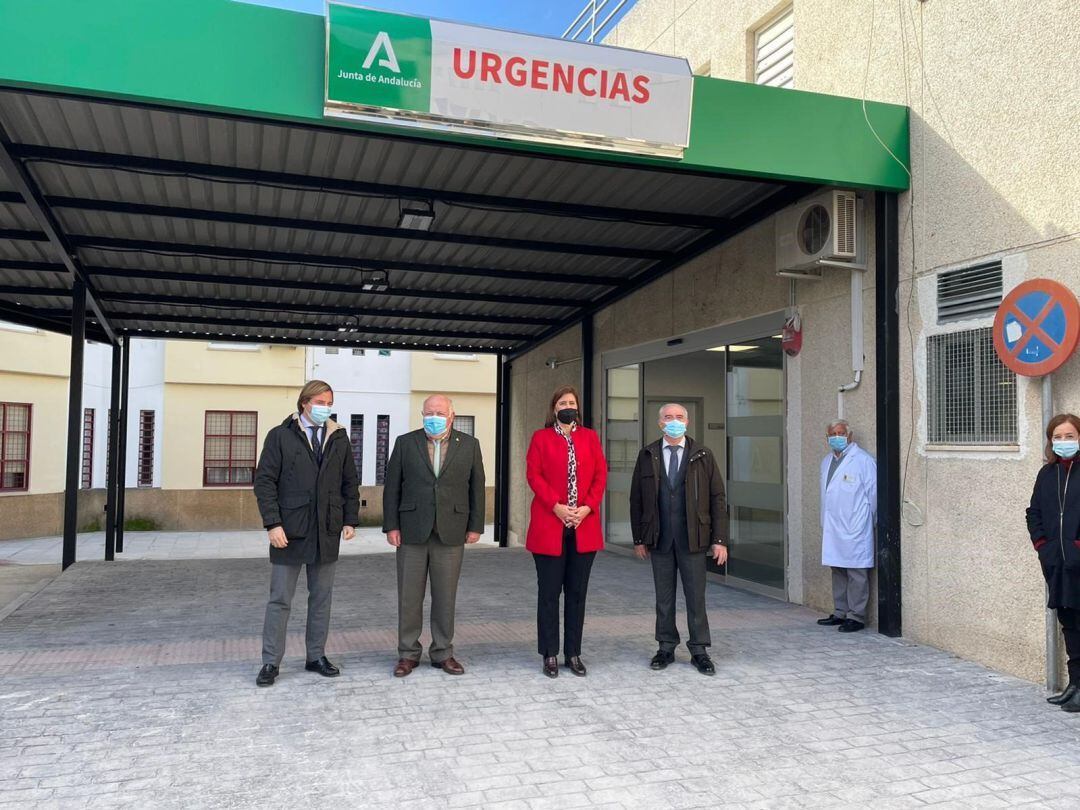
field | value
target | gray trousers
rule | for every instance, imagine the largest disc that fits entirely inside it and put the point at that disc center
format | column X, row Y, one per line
column 415, row 562
column 690, row 568
column 850, row 593
column 320, row 585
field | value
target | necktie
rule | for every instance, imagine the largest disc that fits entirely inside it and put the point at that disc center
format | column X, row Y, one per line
column 437, row 457
column 316, row 445
column 673, row 465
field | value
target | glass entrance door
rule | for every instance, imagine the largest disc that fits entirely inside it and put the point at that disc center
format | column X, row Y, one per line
column 755, row 436
column 622, row 433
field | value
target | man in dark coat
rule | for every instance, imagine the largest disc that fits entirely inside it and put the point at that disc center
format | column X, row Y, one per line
column 677, row 516
column 308, row 495
column 433, row 504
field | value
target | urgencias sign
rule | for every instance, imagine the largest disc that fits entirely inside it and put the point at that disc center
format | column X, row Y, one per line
column 410, row 71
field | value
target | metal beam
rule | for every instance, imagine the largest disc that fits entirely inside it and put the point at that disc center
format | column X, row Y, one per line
column 317, row 326
column 285, row 257
column 74, row 426
column 887, row 342
column 372, row 345
column 776, row 201
column 571, row 210
column 19, row 176
column 122, row 433
column 213, row 277
column 113, row 462
column 353, row 229
column 19, row 235
column 282, row 306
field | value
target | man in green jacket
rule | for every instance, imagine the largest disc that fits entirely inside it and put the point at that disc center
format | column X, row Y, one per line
column 433, row 504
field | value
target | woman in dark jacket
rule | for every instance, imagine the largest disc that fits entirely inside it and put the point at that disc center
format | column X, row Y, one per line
column 567, row 472
column 1053, row 521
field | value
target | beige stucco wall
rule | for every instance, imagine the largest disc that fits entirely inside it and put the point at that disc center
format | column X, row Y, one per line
column 35, row 369
column 199, row 378
column 993, row 131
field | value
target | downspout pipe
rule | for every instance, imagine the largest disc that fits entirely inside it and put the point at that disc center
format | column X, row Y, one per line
column 856, row 340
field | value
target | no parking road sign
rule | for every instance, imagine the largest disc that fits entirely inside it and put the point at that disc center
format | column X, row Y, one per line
column 1037, row 327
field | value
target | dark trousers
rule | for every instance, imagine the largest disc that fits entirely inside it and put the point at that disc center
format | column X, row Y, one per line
column 689, row 566
column 1070, row 628
column 567, row 574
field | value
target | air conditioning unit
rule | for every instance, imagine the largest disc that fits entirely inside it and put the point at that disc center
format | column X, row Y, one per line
column 821, row 231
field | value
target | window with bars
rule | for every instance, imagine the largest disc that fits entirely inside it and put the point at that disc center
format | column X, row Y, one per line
column 382, row 447
column 971, row 394
column 359, row 352
column 229, row 448
column 356, row 436
column 331, row 350
column 466, row 424
column 146, row 449
column 774, row 51
column 87, row 479
column 14, row 446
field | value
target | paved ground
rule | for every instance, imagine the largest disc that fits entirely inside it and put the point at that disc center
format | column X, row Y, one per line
column 132, row 685
column 178, row 546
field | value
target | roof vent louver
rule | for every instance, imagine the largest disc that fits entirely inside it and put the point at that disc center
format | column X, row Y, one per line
column 971, row 292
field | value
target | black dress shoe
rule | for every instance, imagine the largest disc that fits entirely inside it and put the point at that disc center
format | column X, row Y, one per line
column 551, row 666
column 1072, row 704
column 830, row 621
column 661, row 659
column 266, row 675
column 850, row 626
column 1065, row 696
column 573, row 663
column 323, row 667
column 703, row 664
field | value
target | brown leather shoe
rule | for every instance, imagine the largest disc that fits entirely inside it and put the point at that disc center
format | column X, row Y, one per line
column 450, row 666
column 404, row 667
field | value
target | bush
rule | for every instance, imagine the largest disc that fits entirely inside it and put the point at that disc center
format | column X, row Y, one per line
column 141, row 524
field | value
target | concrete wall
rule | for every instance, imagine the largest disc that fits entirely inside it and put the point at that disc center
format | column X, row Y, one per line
column 993, row 130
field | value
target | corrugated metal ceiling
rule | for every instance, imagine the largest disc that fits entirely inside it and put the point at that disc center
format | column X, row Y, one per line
column 197, row 224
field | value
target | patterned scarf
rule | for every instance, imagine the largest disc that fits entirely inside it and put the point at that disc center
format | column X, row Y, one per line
column 571, row 467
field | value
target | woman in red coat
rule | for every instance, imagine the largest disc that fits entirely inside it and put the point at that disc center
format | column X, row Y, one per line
column 567, row 473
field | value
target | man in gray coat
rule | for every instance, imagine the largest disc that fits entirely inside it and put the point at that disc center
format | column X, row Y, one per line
column 308, row 495
column 433, row 504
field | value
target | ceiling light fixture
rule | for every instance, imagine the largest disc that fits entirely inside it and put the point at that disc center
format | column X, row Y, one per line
column 416, row 215
column 374, row 281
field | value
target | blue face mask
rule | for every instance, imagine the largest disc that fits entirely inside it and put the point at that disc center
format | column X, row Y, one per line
column 1065, row 448
column 320, row 413
column 838, row 443
column 674, row 429
column 435, row 425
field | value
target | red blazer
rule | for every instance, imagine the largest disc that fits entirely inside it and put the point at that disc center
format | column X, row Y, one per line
column 546, row 470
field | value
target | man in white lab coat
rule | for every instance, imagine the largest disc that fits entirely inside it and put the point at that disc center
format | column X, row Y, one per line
column 848, row 515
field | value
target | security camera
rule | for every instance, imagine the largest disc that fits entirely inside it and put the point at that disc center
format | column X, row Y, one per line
column 552, row 363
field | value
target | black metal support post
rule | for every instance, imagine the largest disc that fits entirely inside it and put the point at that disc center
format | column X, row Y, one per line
column 585, row 406
column 887, row 282
column 75, row 422
column 500, row 473
column 502, row 454
column 114, row 445
column 121, row 449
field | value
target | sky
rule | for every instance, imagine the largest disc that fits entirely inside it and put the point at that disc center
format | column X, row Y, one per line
column 547, row 17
